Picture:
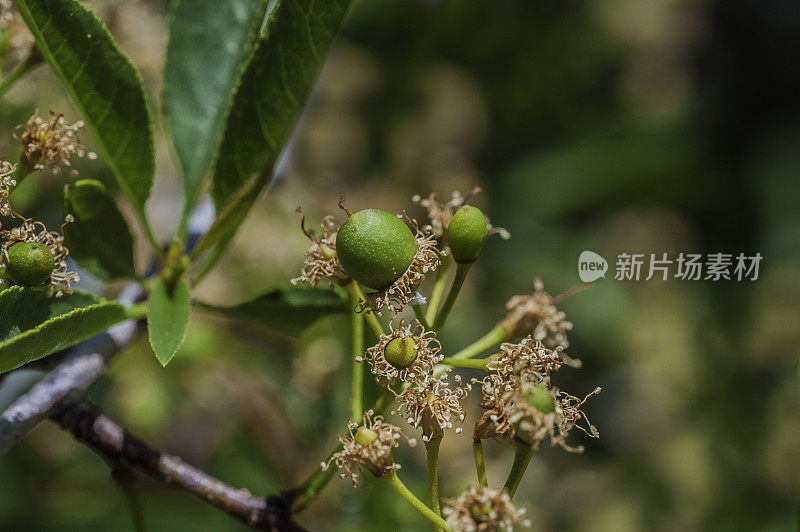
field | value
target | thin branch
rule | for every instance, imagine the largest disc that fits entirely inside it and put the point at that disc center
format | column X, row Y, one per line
column 89, row 425
column 82, row 367
column 87, row 361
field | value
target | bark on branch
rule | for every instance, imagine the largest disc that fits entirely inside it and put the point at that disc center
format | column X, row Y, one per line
column 89, row 425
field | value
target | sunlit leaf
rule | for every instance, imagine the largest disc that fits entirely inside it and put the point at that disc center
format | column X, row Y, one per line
column 209, row 44
column 168, row 319
column 34, row 324
column 273, row 92
column 103, row 84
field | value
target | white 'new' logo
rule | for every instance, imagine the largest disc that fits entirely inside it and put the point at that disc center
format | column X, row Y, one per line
column 591, row 266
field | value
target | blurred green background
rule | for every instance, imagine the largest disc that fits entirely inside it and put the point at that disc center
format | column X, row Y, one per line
column 645, row 126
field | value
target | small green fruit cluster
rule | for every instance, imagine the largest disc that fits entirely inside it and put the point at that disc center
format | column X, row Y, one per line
column 29, row 264
column 375, row 247
column 466, row 233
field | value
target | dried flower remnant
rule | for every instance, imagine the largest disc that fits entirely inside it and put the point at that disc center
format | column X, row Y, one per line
column 527, row 355
column 321, row 261
column 512, row 397
column 534, row 424
column 408, row 353
column 494, row 422
column 440, row 214
column 404, row 289
column 367, row 447
column 51, row 142
column 7, row 184
column 433, row 405
column 537, row 314
column 34, row 231
column 482, row 509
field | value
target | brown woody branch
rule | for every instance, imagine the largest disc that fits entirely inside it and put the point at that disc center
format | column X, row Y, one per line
column 89, row 425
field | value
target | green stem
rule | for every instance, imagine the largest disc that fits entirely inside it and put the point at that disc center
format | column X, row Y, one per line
column 308, row 491
column 129, row 484
column 419, row 312
column 432, row 452
column 479, row 363
column 461, row 274
column 24, row 169
column 522, row 456
column 304, row 495
column 496, row 336
column 137, row 311
column 438, row 287
column 28, row 64
column 355, row 292
column 357, row 385
column 480, row 465
column 395, row 482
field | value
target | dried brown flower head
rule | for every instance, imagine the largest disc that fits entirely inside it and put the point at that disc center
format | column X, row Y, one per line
column 369, row 447
column 528, row 355
column 537, row 314
column 514, row 373
column 33, row 231
column 494, row 422
column 407, row 353
column 533, row 426
column 51, row 142
column 404, row 289
column 321, row 261
column 433, row 405
column 482, row 509
column 7, row 184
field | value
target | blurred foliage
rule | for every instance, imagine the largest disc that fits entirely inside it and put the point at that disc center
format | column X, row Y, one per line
column 626, row 125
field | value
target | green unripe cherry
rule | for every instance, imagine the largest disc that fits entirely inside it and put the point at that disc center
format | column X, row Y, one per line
column 365, row 436
column 401, row 352
column 30, row 263
column 375, row 247
column 542, row 400
column 466, row 233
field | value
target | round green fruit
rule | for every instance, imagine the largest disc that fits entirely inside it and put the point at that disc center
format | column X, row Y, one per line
column 375, row 247
column 401, row 352
column 30, row 263
column 542, row 400
column 466, row 233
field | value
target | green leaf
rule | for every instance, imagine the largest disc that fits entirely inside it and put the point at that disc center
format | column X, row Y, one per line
column 205, row 33
column 98, row 238
column 272, row 94
column 287, row 310
column 34, row 324
column 103, row 84
column 168, row 319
